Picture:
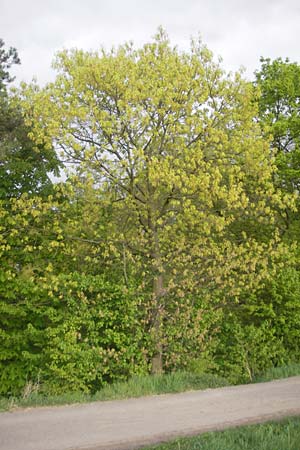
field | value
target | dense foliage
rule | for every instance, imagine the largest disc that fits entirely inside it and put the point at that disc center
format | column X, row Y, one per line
column 166, row 246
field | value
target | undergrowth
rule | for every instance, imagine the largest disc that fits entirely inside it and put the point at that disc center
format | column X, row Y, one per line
column 139, row 386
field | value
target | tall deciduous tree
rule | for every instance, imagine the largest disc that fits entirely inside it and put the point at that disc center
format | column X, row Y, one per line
column 170, row 140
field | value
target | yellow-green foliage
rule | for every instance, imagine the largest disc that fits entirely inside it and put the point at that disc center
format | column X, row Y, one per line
column 171, row 142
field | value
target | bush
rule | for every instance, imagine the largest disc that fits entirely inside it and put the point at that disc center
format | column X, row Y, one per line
column 72, row 332
column 262, row 331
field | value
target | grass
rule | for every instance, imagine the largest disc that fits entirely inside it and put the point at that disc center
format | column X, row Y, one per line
column 160, row 384
column 134, row 387
column 141, row 386
column 283, row 435
column 275, row 373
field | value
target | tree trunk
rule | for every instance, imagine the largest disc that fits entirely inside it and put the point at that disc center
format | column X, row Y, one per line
column 157, row 359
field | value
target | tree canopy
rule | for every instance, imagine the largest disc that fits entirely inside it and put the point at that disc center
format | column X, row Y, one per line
column 171, row 139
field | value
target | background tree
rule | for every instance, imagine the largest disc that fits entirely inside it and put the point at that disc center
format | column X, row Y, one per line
column 24, row 167
column 279, row 115
column 7, row 59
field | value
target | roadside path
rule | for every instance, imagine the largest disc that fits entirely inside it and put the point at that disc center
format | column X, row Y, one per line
column 130, row 424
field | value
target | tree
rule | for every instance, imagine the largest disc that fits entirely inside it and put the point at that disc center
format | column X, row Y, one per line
column 170, row 141
column 7, row 59
column 24, row 167
column 279, row 115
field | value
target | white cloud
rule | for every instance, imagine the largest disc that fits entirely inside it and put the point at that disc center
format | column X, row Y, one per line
column 238, row 30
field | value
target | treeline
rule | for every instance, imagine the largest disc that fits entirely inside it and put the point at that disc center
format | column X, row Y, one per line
column 169, row 240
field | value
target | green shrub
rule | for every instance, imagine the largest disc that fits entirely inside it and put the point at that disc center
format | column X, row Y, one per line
column 71, row 332
column 262, row 330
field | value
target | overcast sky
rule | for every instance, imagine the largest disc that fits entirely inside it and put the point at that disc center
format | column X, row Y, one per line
column 240, row 31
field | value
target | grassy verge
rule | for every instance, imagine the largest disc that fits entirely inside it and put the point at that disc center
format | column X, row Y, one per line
column 284, row 435
column 141, row 386
column 135, row 387
column 276, row 373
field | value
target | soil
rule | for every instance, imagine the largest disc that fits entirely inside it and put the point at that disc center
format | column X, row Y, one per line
column 134, row 423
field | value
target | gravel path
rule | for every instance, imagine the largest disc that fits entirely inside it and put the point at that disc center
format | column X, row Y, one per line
column 129, row 424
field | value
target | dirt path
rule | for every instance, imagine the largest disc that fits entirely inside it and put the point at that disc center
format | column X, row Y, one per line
column 129, row 424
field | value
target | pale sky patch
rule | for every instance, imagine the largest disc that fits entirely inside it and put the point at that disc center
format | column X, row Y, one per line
column 239, row 31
